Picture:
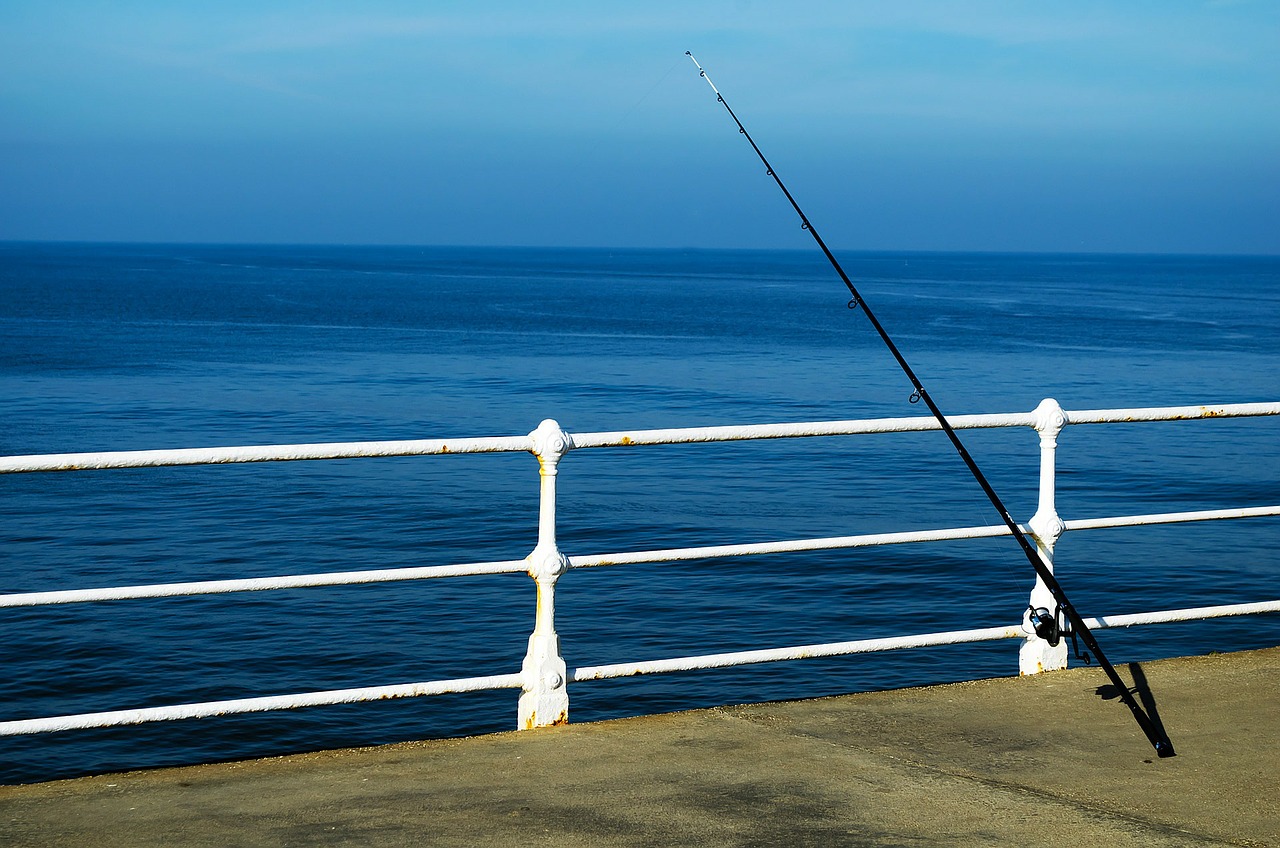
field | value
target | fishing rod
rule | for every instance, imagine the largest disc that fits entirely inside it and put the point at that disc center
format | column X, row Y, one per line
column 1046, row 624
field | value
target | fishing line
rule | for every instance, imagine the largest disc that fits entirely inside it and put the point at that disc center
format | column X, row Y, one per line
column 1064, row 621
column 627, row 114
column 636, row 105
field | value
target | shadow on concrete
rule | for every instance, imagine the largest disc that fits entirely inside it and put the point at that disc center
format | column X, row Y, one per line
column 1142, row 692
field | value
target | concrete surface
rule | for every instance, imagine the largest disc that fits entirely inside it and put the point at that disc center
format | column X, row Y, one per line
column 1041, row 761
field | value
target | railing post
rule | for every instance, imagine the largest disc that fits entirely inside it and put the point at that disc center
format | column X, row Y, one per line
column 1037, row 655
column 544, row 700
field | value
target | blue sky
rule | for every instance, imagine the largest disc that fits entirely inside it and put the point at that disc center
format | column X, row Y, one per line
column 1085, row 126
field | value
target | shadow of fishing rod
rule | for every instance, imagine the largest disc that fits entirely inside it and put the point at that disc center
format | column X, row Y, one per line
column 1046, row 621
column 1139, row 688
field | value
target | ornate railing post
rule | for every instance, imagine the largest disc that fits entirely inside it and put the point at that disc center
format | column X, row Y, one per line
column 1037, row 655
column 544, row 700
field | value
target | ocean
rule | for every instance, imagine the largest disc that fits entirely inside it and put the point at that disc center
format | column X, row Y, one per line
column 116, row 347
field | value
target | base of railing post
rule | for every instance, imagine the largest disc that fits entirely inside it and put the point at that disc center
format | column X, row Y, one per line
column 1037, row 655
column 545, row 699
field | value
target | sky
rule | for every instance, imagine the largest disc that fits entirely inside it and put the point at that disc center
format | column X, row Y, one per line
column 1150, row 127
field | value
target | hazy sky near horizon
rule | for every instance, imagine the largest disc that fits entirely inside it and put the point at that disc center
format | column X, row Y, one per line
column 1088, row 126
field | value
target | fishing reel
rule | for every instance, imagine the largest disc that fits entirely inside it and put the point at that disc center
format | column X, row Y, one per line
column 1052, row 626
column 1046, row 624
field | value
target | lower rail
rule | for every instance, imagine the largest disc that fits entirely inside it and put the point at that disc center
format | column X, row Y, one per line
column 117, row 718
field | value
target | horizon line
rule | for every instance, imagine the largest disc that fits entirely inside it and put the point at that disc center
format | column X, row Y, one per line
column 630, row 248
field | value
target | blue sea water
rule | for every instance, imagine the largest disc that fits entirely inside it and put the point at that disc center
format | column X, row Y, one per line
column 111, row 347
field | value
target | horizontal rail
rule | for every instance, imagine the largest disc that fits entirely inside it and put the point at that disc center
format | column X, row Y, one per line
column 349, row 578
column 258, row 453
column 903, row 537
column 1171, row 517
column 145, row 715
column 915, row 424
column 751, row 549
column 1171, row 413
column 502, row 444
column 748, row 432
column 893, row 643
column 1193, row 614
column 116, row 718
column 801, row 652
column 259, row 584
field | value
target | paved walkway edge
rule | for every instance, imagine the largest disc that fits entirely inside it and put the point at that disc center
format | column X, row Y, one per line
column 1048, row 760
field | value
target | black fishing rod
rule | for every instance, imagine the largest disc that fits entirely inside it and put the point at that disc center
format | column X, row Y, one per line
column 1046, row 624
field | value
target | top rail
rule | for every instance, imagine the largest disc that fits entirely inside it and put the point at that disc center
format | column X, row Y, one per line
column 258, row 453
column 749, row 432
column 1171, row 413
column 681, row 435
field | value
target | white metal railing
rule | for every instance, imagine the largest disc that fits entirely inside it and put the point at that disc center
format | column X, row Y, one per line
column 544, row 675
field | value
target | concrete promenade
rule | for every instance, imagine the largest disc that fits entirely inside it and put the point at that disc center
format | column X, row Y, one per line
column 1042, row 761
